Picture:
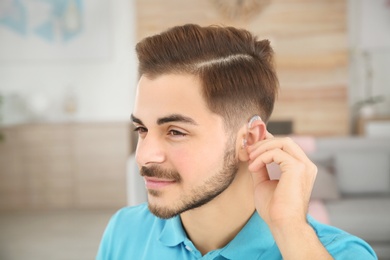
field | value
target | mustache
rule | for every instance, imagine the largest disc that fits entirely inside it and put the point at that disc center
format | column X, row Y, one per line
column 157, row 172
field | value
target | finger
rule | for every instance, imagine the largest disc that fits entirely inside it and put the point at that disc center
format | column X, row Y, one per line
column 287, row 163
column 276, row 155
column 294, row 172
column 286, row 144
column 260, row 175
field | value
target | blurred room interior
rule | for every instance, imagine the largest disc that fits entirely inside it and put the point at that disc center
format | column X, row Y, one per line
column 68, row 74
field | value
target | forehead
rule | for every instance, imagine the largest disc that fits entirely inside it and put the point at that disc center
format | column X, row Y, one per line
column 171, row 94
column 172, row 84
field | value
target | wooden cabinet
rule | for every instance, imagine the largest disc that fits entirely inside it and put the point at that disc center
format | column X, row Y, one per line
column 13, row 184
column 80, row 165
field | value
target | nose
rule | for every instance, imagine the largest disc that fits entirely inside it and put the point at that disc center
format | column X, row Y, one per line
column 150, row 150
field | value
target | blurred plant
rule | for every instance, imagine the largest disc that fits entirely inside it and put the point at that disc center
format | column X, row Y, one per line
column 370, row 100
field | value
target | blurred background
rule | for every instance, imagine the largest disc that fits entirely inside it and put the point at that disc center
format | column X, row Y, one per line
column 68, row 73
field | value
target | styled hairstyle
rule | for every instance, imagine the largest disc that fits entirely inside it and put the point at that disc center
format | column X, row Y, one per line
column 235, row 69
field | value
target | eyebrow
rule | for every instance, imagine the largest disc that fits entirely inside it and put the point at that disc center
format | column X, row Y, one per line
column 176, row 118
column 168, row 119
column 136, row 120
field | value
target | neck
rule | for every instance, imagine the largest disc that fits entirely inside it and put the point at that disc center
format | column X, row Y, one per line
column 215, row 224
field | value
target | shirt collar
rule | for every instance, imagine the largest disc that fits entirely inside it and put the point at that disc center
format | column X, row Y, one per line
column 172, row 233
column 255, row 238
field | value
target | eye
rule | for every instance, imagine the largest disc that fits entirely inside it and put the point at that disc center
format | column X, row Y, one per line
column 140, row 130
column 176, row 133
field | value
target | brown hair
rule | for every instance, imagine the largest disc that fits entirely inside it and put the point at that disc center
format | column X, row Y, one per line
column 235, row 69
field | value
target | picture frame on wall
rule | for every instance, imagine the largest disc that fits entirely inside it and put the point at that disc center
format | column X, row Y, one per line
column 32, row 30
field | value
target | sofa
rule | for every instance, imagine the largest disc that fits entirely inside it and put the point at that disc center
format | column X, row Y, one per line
column 353, row 185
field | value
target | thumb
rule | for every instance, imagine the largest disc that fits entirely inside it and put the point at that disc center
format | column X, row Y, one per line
column 259, row 175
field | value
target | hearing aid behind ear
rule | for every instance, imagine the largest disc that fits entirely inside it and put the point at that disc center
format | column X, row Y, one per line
column 249, row 126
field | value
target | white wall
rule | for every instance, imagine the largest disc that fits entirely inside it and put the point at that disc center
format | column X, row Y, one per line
column 103, row 87
column 369, row 34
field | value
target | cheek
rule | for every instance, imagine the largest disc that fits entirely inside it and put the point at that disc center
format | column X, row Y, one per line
column 196, row 164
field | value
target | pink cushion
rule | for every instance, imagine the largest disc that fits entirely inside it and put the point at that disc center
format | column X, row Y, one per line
column 318, row 211
column 307, row 143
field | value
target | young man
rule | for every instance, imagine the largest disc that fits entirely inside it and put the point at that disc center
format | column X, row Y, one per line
column 203, row 100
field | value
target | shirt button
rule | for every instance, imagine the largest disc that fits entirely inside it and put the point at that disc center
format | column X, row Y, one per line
column 189, row 248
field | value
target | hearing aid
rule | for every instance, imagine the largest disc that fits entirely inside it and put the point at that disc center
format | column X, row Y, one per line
column 249, row 126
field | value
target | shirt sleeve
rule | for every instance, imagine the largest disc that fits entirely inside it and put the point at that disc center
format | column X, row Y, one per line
column 342, row 245
column 346, row 246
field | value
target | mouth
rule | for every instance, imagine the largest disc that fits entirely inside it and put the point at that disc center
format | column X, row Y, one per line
column 157, row 183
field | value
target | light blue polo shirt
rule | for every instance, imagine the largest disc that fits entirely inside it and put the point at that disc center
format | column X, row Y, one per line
column 135, row 233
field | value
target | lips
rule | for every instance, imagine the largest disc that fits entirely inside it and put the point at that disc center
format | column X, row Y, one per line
column 157, row 183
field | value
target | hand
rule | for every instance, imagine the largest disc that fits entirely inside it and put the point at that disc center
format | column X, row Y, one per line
column 284, row 201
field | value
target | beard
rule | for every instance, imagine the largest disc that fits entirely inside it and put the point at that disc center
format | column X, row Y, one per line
column 199, row 195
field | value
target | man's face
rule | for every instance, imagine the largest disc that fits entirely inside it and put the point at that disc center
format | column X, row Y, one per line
column 185, row 155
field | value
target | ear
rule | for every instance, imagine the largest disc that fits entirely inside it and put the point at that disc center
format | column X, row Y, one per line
column 249, row 135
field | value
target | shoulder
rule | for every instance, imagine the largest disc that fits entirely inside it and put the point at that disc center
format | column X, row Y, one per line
column 340, row 244
column 126, row 230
